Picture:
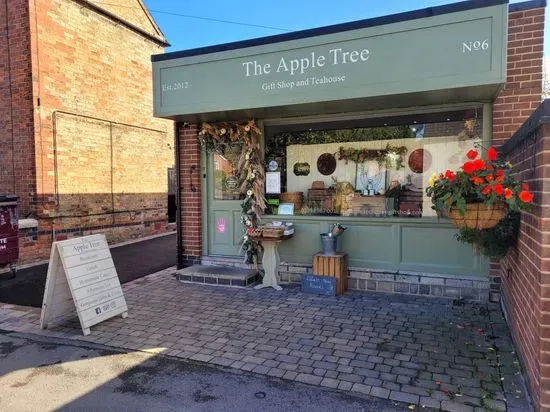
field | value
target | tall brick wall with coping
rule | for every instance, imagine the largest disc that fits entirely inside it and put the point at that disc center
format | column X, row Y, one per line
column 101, row 157
column 17, row 174
column 190, row 209
column 526, row 270
column 522, row 92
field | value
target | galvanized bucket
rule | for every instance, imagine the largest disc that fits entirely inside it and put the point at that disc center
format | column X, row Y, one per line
column 329, row 243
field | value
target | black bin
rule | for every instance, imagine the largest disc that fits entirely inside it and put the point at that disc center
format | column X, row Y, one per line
column 9, row 228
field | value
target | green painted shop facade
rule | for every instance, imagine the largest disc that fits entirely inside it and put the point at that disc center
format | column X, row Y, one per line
column 431, row 63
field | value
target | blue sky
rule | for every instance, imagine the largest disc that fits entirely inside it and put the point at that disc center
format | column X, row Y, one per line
column 185, row 33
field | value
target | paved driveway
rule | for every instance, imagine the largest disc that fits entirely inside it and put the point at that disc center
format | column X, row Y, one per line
column 430, row 352
column 132, row 261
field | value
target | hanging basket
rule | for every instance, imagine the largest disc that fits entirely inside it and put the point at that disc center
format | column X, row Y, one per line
column 478, row 216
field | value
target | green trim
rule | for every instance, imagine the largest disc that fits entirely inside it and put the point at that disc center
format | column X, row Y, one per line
column 206, row 182
column 389, row 244
column 464, row 52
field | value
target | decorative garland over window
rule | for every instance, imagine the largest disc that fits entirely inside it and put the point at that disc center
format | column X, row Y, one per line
column 382, row 156
column 250, row 168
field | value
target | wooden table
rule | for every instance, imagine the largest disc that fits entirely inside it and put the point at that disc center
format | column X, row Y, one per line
column 270, row 260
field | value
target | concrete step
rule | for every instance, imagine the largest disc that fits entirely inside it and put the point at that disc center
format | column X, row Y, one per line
column 219, row 275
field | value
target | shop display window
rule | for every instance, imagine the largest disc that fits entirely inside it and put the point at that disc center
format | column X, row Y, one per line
column 367, row 167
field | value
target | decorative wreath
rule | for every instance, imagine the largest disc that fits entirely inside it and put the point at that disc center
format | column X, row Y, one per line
column 380, row 155
column 251, row 174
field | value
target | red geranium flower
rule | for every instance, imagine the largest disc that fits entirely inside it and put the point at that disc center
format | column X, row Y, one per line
column 468, row 167
column 526, row 196
column 498, row 189
column 489, row 178
column 508, row 193
column 472, row 154
column 450, row 175
column 476, row 180
column 524, row 186
column 499, row 179
column 486, row 190
column 492, row 154
column 479, row 164
column 500, row 172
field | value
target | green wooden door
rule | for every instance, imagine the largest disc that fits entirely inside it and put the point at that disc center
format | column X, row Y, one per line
column 224, row 230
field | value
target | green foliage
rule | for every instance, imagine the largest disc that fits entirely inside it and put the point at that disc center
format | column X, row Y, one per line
column 384, row 157
column 494, row 242
column 487, row 181
column 456, row 192
column 276, row 146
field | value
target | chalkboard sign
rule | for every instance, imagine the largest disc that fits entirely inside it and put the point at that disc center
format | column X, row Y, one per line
column 322, row 285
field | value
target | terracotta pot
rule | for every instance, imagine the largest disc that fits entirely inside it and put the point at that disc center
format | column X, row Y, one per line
column 478, row 215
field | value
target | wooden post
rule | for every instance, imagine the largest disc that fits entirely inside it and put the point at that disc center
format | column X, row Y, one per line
column 333, row 265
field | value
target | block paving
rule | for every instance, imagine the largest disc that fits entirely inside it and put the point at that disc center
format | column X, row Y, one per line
column 434, row 353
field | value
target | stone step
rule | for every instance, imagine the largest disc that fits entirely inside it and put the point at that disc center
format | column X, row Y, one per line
column 219, row 275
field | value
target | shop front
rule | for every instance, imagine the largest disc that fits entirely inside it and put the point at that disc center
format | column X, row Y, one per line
column 355, row 119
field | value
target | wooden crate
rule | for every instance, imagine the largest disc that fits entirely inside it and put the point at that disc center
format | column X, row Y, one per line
column 333, row 265
column 321, row 198
column 368, row 205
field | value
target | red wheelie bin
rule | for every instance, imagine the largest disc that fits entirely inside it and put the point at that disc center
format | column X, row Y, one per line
column 9, row 242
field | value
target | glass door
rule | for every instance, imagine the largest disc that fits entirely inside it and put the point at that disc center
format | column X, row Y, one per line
column 224, row 202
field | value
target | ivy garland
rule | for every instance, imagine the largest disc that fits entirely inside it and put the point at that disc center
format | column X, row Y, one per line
column 494, row 242
column 380, row 155
column 251, row 175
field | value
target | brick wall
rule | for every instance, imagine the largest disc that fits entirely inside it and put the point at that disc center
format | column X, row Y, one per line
column 133, row 11
column 523, row 90
column 190, row 209
column 102, row 157
column 521, row 275
column 16, row 103
column 526, row 270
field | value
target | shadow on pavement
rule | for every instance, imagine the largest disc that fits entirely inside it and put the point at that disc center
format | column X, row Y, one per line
column 131, row 261
column 52, row 375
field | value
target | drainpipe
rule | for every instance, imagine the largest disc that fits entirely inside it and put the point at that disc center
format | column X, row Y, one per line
column 178, row 197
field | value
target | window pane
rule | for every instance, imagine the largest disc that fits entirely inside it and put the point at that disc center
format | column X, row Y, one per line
column 225, row 176
column 375, row 171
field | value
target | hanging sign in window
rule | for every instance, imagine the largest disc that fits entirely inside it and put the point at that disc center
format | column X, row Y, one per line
column 273, row 182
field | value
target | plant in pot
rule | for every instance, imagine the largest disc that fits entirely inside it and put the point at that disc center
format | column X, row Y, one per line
column 483, row 200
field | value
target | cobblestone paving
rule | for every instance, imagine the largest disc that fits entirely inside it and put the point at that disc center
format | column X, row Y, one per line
column 433, row 353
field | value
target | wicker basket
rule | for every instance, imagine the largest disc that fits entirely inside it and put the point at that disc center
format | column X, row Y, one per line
column 478, row 216
column 273, row 232
column 297, row 198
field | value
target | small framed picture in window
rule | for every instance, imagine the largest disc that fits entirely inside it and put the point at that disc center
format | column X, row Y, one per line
column 286, row 209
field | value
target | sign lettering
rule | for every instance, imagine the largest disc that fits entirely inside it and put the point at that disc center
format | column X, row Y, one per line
column 82, row 277
column 323, row 285
column 477, row 45
column 462, row 49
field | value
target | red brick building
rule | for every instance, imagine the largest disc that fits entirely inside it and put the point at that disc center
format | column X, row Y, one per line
column 78, row 142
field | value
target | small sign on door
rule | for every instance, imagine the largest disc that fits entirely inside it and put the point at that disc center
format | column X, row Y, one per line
column 220, row 225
